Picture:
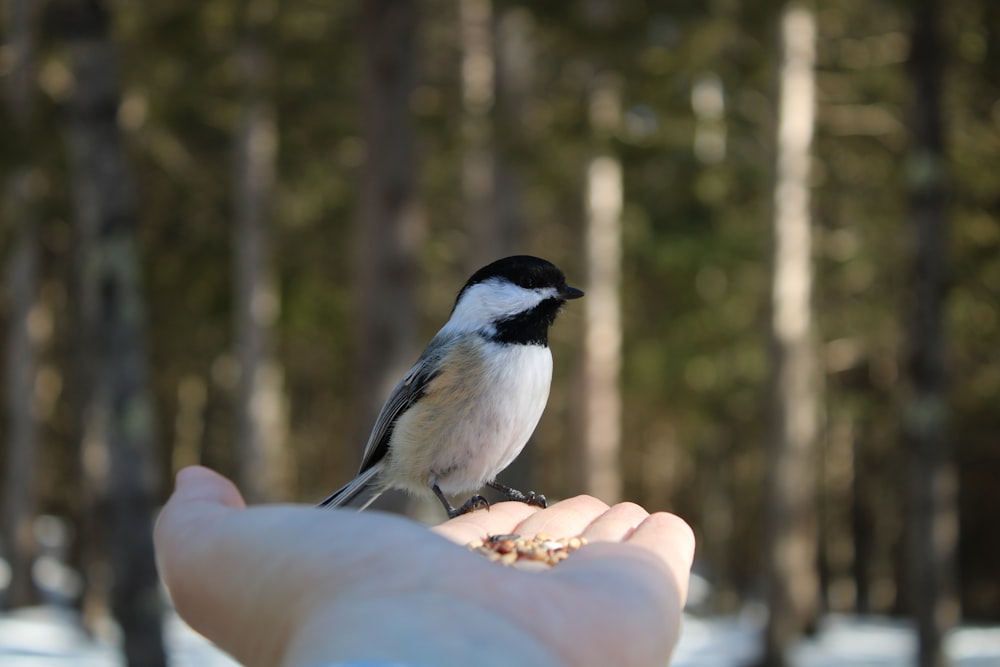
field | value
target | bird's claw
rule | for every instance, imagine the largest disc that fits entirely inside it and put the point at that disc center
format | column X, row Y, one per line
column 474, row 503
column 534, row 499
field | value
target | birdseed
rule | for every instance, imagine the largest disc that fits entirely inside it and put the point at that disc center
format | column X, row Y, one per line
column 540, row 549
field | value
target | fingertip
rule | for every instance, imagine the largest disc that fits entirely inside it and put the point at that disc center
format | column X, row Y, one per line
column 630, row 507
column 586, row 501
column 616, row 524
column 680, row 529
column 197, row 483
column 589, row 507
column 669, row 536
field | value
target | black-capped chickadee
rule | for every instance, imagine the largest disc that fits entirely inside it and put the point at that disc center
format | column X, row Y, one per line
column 468, row 406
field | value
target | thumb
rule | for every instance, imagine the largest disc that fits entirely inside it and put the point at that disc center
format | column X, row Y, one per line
column 200, row 485
column 199, row 499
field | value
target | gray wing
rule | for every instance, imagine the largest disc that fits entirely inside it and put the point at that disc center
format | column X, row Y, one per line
column 405, row 394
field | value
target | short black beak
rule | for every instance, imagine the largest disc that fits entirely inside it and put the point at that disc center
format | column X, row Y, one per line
column 566, row 293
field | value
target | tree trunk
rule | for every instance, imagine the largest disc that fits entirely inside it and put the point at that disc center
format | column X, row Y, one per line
column 791, row 507
column 390, row 224
column 478, row 149
column 118, row 444
column 514, row 57
column 862, row 522
column 260, row 405
column 17, row 543
column 933, row 513
column 21, row 277
column 600, row 461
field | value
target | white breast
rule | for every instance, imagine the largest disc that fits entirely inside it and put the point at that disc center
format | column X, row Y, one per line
column 470, row 426
column 508, row 416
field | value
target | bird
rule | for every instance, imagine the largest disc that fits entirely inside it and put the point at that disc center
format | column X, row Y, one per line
column 468, row 406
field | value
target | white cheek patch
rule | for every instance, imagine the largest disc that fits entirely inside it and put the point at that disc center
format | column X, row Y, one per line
column 487, row 302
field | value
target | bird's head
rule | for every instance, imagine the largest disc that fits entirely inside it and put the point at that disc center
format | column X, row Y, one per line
column 513, row 300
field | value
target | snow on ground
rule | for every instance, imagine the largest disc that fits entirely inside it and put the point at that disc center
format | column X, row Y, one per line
column 50, row 636
column 843, row 641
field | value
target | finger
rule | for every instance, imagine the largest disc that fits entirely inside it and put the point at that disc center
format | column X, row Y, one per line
column 667, row 536
column 629, row 585
column 567, row 518
column 499, row 519
column 616, row 524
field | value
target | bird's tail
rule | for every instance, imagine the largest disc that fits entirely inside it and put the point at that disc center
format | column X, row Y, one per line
column 350, row 491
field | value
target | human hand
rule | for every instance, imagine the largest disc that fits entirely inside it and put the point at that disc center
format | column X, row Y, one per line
column 297, row 586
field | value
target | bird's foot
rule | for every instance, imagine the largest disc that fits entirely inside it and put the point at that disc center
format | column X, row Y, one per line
column 529, row 498
column 474, row 503
column 532, row 498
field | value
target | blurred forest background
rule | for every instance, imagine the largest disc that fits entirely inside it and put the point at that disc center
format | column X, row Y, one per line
column 229, row 227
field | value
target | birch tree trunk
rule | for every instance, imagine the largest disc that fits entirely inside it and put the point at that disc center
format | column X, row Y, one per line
column 17, row 543
column 118, row 451
column 791, row 502
column 600, row 459
column 260, row 405
column 933, row 488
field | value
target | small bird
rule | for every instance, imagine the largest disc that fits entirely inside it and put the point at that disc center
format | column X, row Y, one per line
column 467, row 407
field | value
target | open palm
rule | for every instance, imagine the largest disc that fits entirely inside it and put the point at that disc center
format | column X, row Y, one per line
column 292, row 585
